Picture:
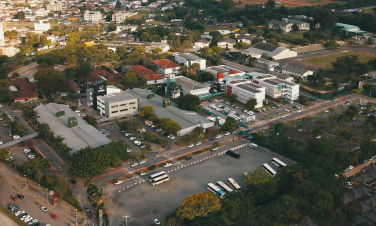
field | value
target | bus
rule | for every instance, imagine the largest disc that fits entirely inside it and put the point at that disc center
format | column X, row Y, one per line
column 279, row 162
column 233, row 184
column 269, row 170
column 156, row 175
column 211, row 187
column 224, row 187
column 252, row 145
column 159, row 180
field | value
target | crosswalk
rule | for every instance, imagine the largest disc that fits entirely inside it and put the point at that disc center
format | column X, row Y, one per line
column 128, row 170
column 179, row 164
column 170, row 157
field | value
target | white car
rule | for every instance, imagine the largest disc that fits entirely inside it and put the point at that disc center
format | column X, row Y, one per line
column 1, row 142
column 142, row 162
column 18, row 212
column 26, row 150
column 129, row 150
column 143, row 173
column 326, row 111
column 44, row 209
column 134, row 164
column 119, row 182
column 228, row 133
column 136, row 142
column 33, row 221
column 318, row 137
column 132, row 138
column 126, row 134
column 27, row 219
column 286, row 110
column 171, row 136
column 283, row 116
column 198, row 143
column 219, row 136
column 16, row 137
column 298, row 111
column 156, row 221
column 167, row 165
column 191, row 146
column 214, row 149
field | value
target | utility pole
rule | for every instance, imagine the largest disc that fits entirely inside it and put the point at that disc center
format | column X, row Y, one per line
column 47, row 196
column 126, row 220
column 75, row 213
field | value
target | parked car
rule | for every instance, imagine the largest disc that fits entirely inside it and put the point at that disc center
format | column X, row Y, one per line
column 132, row 138
column 167, row 165
column 26, row 150
column 142, row 162
column 20, row 196
column 191, row 146
column 118, row 182
column 233, row 154
column 129, row 150
column 218, row 136
column 134, row 164
column 14, row 197
column 205, row 141
column 15, row 137
column 44, row 209
column 198, row 143
column 214, row 149
column 227, row 133
column 54, row 216
column 188, row 157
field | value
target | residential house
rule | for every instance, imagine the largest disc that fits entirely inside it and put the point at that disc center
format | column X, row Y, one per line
column 188, row 59
column 296, row 72
column 150, row 76
column 201, row 43
column 247, row 39
column 270, row 50
column 26, row 90
column 167, row 66
column 227, row 43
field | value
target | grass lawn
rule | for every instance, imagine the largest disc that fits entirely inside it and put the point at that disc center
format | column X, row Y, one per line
column 367, row 11
column 326, row 60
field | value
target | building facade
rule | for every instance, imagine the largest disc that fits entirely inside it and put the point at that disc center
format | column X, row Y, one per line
column 246, row 90
column 277, row 88
column 167, row 66
column 227, row 43
column 93, row 17
column 296, row 72
column 119, row 17
column 188, row 59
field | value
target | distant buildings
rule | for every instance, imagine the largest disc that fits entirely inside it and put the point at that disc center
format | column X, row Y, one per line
column 201, row 43
column 286, row 25
column 150, row 76
column 296, row 72
column 188, row 59
column 52, row 6
column 92, row 17
column 227, row 43
column 269, row 50
column 167, row 66
column 246, row 90
column 277, row 88
column 188, row 86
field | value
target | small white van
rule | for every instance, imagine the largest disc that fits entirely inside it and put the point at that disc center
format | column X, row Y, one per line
column 252, row 145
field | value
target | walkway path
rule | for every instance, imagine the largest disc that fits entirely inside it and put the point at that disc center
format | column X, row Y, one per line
column 24, row 138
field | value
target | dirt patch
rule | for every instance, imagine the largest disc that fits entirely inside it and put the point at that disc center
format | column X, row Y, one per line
column 287, row 3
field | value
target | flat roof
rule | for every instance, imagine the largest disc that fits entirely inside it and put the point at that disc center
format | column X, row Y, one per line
column 188, row 83
column 117, row 97
column 190, row 56
column 249, row 87
column 77, row 137
column 239, row 66
column 185, row 119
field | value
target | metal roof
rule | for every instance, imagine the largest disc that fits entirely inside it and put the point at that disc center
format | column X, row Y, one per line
column 77, row 137
column 117, row 97
column 188, row 83
column 294, row 69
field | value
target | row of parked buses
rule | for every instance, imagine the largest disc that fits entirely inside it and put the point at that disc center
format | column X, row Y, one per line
column 275, row 161
column 158, row 178
column 221, row 188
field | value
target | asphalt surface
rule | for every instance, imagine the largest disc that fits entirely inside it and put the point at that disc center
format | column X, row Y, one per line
column 144, row 202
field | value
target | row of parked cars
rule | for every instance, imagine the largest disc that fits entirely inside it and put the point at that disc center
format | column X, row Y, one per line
column 30, row 155
column 159, row 130
column 26, row 217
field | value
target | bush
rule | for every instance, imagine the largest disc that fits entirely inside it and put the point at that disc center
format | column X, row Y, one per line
column 152, row 167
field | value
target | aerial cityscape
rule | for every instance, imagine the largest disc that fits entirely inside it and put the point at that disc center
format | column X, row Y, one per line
column 187, row 113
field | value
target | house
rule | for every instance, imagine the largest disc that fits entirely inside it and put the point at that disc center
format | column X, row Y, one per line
column 100, row 74
column 247, row 39
column 163, row 108
column 188, row 86
column 188, row 59
column 26, row 90
column 296, row 72
column 201, row 43
column 167, row 66
column 42, row 26
column 270, row 50
column 286, row 25
column 227, row 43
column 150, row 76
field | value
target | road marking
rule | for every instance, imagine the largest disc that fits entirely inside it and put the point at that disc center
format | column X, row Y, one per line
column 169, row 156
column 179, row 164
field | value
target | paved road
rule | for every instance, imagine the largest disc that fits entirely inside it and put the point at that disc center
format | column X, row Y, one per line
column 14, row 142
column 6, row 221
column 26, row 70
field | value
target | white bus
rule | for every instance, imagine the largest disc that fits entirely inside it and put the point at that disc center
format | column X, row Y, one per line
column 269, row 170
column 224, row 187
column 159, row 180
column 157, row 175
column 233, row 184
column 252, row 145
column 211, row 187
column 278, row 162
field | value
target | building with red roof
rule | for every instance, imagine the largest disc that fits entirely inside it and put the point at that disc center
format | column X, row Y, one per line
column 167, row 66
column 23, row 90
column 150, row 76
column 100, row 74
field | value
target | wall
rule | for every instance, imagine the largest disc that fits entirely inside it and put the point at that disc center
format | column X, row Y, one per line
column 109, row 110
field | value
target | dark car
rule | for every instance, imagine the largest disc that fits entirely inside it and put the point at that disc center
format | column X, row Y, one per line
column 211, row 138
column 21, row 196
column 233, row 154
column 188, row 157
column 73, row 181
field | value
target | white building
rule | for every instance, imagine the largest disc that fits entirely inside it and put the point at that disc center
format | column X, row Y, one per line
column 188, row 59
column 167, row 66
column 201, row 43
column 54, row 6
column 111, row 101
column 41, row 12
column 8, row 50
column 246, row 90
column 188, row 86
column 222, row 72
column 296, row 72
column 227, row 43
column 286, row 25
column 119, row 17
column 274, row 51
column 42, row 26
column 93, row 17
column 277, row 88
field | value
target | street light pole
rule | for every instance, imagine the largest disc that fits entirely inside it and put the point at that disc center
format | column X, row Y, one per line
column 126, row 220
column 47, row 196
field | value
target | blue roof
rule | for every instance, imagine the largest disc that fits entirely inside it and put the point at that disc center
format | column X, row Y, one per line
column 350, row 28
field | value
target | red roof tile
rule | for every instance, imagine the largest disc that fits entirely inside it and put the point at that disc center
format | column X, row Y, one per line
column 148, row 74
column 95, row 75
column 18, row 81
column 164, row 63
column 75, row 87
column 114, row 78
column 26, row 93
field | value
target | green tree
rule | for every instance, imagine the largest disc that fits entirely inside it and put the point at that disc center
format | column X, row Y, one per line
column 146, row 111
column 251, row 103
column 295, row 27
column 20, row 130
column 303, row 99
column 4, row 153
column 198, row 205
column 89, row 162
column 331, row 44
column 83, row 71
column 62, row 186
column 324, row 202
column 112, row 26
column 368, row 87
column 129, row 80
column 5, row 95
column 189, row 102
column 91, row 120
column 50, row 81
column 169, row 126
column 240, row 45
column 230, row 124
column 232, row 97
column 216, row 36
column 257, row 178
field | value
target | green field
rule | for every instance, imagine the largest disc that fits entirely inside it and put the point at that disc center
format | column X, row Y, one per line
column 368, row 11
column 326, row 60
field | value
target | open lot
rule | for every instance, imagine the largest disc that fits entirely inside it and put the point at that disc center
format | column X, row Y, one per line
column 326, row 60
column 143, row 202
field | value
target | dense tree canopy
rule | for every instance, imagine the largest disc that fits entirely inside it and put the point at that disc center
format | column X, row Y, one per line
column 189, row 102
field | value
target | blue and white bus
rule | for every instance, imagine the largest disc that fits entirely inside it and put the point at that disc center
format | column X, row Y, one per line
column 269, row 169
column 278, row 162
column 211, row 187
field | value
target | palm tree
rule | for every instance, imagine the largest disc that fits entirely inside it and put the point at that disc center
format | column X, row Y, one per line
column 216, row 124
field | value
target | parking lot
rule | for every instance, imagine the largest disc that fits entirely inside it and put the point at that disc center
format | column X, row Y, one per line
column 217, row 106
column 143, row 202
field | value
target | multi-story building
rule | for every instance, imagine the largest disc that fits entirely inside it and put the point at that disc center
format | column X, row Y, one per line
column 286, row 25
column 111, row 101
column 246, row 90
column 188, row 59
column 52, row 6
column 277, row 88
column 119, row 17
column 225, row 72
column 93, row 17
column 296, row 72
column 8, row 50
column 42, row 26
